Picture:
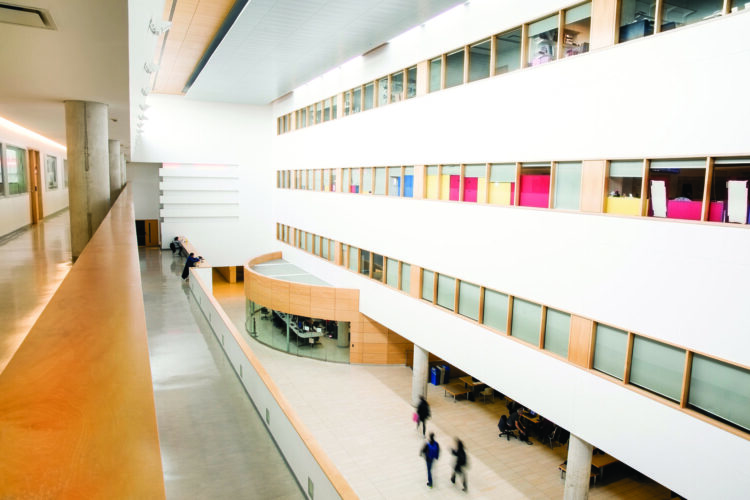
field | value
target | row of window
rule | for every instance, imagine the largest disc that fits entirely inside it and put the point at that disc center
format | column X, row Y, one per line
column 560, row 35
column 709, row 386
column 674, row 189
column 13, row 171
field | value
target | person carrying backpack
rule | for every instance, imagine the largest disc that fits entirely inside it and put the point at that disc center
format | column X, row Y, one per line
column 430, row 452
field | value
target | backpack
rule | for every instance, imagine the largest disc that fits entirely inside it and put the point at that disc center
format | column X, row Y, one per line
column 433, row 451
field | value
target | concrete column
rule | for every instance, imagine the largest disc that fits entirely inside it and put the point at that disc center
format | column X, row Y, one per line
column 419, row 374
column 86, row 130
column 342, row 336
column 123, row 170
column 578, row 472
column 115, row 170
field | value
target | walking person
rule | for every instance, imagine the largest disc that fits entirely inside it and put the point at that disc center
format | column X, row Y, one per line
column 430, row 452
column 423, row 413
column 458, row 467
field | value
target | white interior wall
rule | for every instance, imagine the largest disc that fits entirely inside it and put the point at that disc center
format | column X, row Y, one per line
column 143, row 179
column 184, row 131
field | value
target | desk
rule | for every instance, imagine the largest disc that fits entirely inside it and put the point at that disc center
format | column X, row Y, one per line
column 600, row 461
column 301, row 334
column 455, row 389
column 470, row 382
column 534, row 420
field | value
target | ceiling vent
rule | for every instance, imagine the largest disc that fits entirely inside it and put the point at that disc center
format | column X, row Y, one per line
column 26, row 16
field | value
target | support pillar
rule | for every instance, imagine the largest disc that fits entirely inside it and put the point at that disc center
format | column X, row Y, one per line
column 86, row 130
column 578, row 472
column 419, row 375
column 115, row 179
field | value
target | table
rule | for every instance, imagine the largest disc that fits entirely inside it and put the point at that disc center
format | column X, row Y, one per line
column 312, row 334
column 469, row 381
column 455, row 389
column 600, row 461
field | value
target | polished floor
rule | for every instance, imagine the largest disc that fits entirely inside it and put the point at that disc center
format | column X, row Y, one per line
column 35, row 260
column 361, row 416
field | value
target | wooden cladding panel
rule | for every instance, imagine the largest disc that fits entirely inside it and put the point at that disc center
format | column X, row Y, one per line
column 580, row 348
column 593, row 177
column 603, row 23
column 415, row 281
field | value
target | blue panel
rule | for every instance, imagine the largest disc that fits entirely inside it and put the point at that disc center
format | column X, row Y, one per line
column 408, row 186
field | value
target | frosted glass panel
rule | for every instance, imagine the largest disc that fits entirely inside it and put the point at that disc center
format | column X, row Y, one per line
column 527, row 321
column 369, row 96
column 380, row 180
column 435, row 69
column 394, row 181
column 353, row 258
column 309, row 246
column 446, row 292
column 568, row 185
column 428, row 281
column 366, row 181
column 720, row 389
column 468, row 300
column 475, row 170
column 495, row 310
column 391, row 273
column 626, row 168
column 325, row 248
column 405, row 277
column 503, row 172
column 610, row 349
column 557, row 332
column 657, row 367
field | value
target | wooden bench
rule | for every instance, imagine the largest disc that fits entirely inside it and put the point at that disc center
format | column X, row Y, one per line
column 455, row 389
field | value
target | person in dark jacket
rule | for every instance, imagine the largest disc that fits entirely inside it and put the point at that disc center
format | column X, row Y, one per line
column 423, row 412
column 458, row 467
column 190, row 262
column 174, row 245
column 430, row 452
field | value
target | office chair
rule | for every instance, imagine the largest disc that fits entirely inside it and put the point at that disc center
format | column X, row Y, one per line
column 505, row 429
column 487, row 391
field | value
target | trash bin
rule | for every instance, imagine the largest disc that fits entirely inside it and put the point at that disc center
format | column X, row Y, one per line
column 441, row 374
column 434, row 376
column 446, row 370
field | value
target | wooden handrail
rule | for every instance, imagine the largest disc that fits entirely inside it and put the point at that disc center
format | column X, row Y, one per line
column 77, row 416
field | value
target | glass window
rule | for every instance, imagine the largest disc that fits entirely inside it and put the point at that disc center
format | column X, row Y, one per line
column 636, row 19
column 479, row 60
column 327, row 179
column 431, row 182
column 446, row 292
column 720, row 389
column 369, row 96
column 397, row 86
column 391, row 273
column 468, row 300
column 450, row 182
column 364, row 263
column 568, row 185
column 508, row 51
column 15, row 164
column 333, row 180
column 534, row 185
column 542, row 41
column 318, row 112
column 377, row 267
column 357, row 100
column 475, row 183
column 411, row 82
column 394, row 181
column 302, row 240
column 353, row 258
column 382, row 95
column 610, row 349
column 577, row 30
column 454, row 69
column 435, row 73
column 309, row 245
column 495, row 314
column 729, row 190
column 526, row 323
column 428, row 285
column 347, row 102
column 326, row 110
column 51, row 172
column 657, row 367
column 405, row 277
column 325, row 247
column 318, row 180
column 366, row 180
column 624, row 187
column 408, row 190
column 502, row 183
column 380, row 180
column 676, row 188
column 676, row 13
column 354, row 188
column 334, row 100
column 557, row 332
column 302, row 180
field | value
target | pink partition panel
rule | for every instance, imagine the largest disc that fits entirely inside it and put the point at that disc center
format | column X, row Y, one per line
column 455, row 186
column 688, row 210
column 470, row 188
column 716, row 211
column 534, row 191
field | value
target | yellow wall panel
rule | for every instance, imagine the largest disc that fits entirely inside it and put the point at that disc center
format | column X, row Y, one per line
column 445, row 187
column 432, row 187
column 500, row 193
column 623, row 205
column 482, row 190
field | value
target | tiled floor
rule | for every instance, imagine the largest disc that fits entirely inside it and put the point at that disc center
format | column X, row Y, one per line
column 361, row 416
column 34, row 263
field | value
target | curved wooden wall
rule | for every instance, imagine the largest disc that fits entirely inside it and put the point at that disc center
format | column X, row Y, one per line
column 77, row 416
column 370, row 342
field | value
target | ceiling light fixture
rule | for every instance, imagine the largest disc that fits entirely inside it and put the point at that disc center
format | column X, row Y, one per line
column 143, row 106
column 145, row 90
column 158, row 27
column 150, row 67
column 142, row 117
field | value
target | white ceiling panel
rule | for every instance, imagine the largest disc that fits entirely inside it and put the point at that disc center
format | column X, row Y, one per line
column 275, row 46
